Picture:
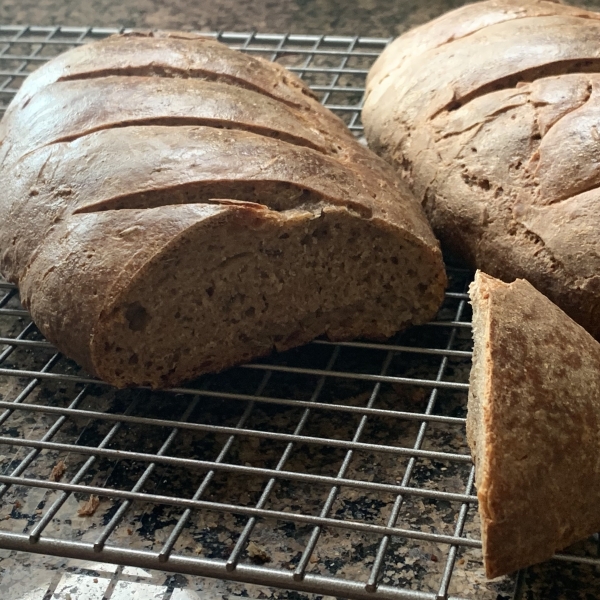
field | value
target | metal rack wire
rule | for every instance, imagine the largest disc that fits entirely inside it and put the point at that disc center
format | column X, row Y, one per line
column 338, row 469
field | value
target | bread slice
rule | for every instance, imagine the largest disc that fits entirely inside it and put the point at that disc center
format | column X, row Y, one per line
column 533, row 425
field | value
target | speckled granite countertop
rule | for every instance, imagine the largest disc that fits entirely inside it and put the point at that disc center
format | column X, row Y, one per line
column 382, row 18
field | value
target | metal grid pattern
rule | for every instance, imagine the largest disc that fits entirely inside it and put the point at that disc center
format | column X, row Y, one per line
column 337, row 469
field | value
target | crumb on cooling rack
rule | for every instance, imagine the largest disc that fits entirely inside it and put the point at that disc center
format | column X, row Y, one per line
column 58, row 471
column 87, row 509
column 258, row 553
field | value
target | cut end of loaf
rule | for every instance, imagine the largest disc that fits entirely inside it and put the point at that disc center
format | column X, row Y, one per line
column 479, row 375
column 479, row 394
column 503, row 549
column 232, row 290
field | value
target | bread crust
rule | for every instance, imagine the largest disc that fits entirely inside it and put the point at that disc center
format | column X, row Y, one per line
column 170, row 54
column 489, row 114
column 533, row 425
column 125, row 156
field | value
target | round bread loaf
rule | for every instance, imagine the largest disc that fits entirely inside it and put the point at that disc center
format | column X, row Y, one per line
column 491, row 114
column 173, row 207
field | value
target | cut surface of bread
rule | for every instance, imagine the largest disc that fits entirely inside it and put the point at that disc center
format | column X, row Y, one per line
column 490, row 114
column 533, row 425
column 172, row 207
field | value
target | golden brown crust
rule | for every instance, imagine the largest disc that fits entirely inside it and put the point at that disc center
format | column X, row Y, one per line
column 172, row 55
column 141, row 152
column 64, row 111
column 496, row 134
column 458, row 24
column 533, row 425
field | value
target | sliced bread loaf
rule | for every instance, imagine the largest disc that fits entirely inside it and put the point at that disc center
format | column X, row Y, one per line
column 172, row 207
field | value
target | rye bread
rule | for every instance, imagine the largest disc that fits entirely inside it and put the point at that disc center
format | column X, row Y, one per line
column 172, row 207
column 533, row 425
column 490, row 114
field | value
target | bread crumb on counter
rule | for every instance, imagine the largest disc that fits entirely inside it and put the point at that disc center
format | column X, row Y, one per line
column 58, row 471
column 87, row 509
column 258, row 553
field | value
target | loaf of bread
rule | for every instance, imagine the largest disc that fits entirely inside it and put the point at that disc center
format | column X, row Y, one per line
column 491, row 114
column 533, row 425
column 172, row 207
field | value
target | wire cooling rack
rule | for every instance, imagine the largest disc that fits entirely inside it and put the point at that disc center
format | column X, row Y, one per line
column 334, row 469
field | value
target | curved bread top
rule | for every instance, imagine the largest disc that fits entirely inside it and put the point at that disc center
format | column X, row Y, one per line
column 153, row 166
column 169, row 54
column 458, row 24
column 67, row 110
